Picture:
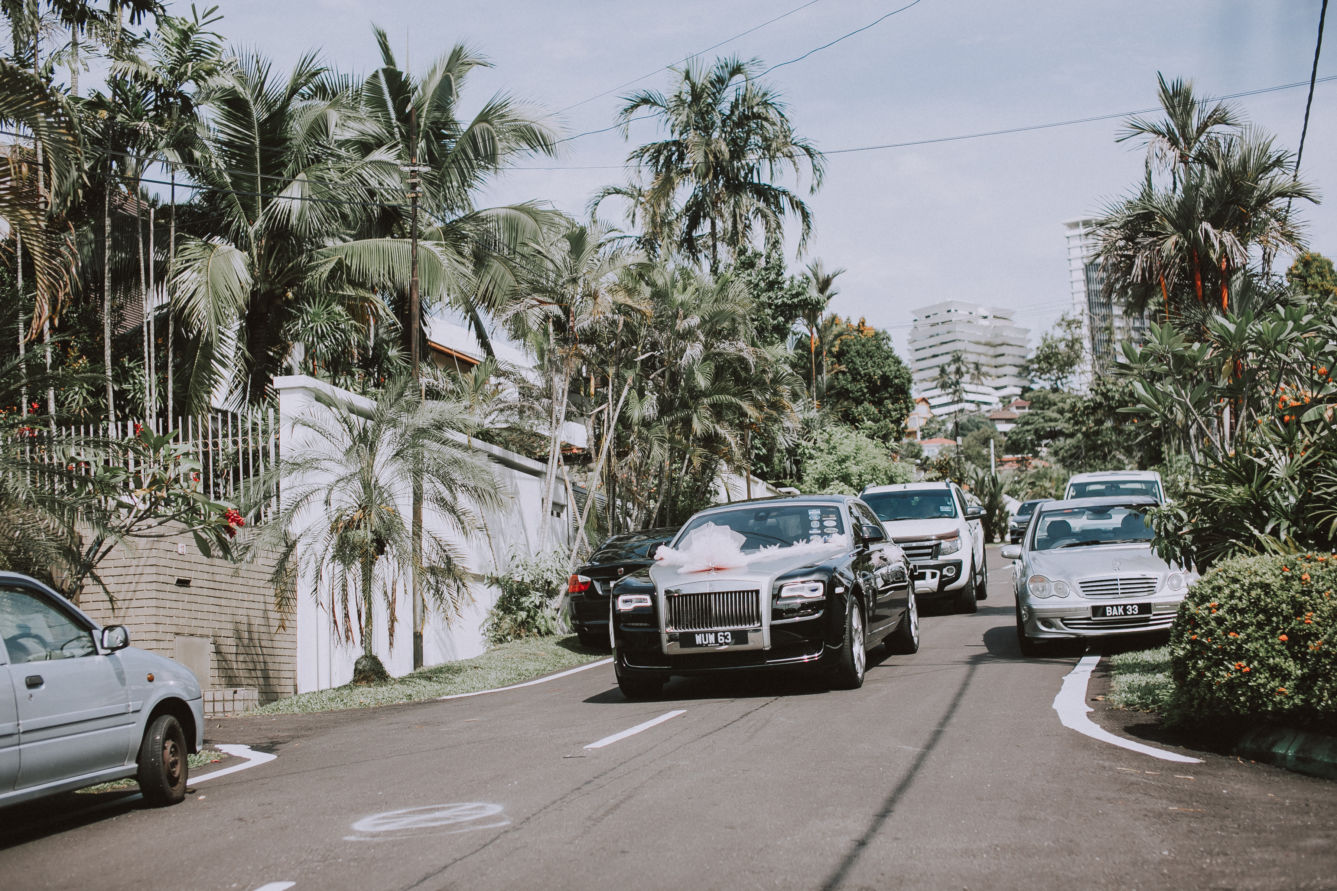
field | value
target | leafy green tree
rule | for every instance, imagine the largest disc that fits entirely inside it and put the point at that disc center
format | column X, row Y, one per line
column 868, row 386
column 840, row 459
column 344, row 517
column 711, row 182
column 779, row 300
column 822, row 286
column 1059, row 356
column 1313, row 275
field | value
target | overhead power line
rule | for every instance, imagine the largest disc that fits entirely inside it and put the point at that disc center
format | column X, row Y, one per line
column 713, row 46
column 844, row 36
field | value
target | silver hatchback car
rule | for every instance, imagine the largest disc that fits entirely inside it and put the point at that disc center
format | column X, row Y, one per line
column 79, row 706
column 1086, row 568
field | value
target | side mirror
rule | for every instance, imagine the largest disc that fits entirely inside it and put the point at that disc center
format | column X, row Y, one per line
column 115, row 637
column 974, row 513
column 872, row 533
column 1010, row 552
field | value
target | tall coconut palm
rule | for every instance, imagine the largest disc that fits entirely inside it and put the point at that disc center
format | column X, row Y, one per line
column 413, row 124
column 343, row 522
column 713, row 179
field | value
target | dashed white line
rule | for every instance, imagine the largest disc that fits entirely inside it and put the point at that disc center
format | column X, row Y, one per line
column 276, row 886
column 609, row 740
column 1070, row 703
column 253, row 759
column 551, row 677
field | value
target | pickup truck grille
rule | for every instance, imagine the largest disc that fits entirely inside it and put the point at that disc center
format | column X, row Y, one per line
column 1119, row 586
column 717, row 609
column 918, row 550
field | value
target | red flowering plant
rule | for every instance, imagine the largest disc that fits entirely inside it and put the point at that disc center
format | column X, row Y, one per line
column 1256, row 641
column 145, row 486
column 1251, row 400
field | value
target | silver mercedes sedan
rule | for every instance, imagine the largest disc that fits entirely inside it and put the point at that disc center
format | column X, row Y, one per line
column 1085, row 569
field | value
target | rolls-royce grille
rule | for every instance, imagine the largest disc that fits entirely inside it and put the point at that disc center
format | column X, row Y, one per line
column 716, row 609
column 1119, row 586
column 916, row 551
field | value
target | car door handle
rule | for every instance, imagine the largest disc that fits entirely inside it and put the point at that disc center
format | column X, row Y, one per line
column 33, row 681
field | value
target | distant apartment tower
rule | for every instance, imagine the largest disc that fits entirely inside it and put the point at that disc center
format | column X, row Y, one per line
column 1105, row 324
column 986, row 337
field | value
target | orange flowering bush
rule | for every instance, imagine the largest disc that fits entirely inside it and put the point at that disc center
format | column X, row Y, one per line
column 1274, row 623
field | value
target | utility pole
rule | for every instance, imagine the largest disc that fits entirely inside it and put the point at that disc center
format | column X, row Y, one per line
column 415, row 325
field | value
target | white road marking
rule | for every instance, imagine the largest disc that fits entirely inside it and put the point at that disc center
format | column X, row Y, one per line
column 609, row 740
column 551, row 677
column 1070, row 703
column 276, row 886
column 253, row 759
column 411, row 821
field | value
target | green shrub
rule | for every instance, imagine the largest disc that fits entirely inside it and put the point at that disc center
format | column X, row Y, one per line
column 532, row 594
column 841, row 460
column 1256, row 641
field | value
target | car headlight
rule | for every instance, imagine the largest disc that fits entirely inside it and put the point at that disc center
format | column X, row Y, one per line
column 1175, row 581
column 809, row 590
column 950, row 545
column 1042, row 587
column 633, row 601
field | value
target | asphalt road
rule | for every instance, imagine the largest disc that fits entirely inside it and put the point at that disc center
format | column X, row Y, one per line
column 948, row 769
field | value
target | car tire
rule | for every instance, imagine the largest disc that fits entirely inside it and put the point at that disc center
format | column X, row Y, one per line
column 163, row 764
column 637, row 686
column 982, row 591
column 1030, row 647
column 905, row 639
column 966, row 597
column 852, row 661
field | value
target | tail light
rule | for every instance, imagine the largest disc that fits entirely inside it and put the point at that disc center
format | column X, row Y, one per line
column 578, row 584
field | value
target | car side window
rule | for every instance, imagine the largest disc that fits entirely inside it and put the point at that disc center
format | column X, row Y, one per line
column 34, row 630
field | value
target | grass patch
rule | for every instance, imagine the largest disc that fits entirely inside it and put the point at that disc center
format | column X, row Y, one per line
column 508, row 663
column 203, row 758
column 1140, row 680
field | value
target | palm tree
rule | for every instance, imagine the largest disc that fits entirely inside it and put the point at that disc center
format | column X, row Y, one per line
column 712, row 180
column 574, row 284
column 35, row 188
column 413, row 125
column 352, row 471
column 1226, row 203
column 822, row 287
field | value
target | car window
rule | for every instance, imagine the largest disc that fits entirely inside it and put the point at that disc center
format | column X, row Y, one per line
column 862, row 514
column 923, row 504
column 1085, row 527
column 1027, row 508
column 1119, row 488
column 35, row 630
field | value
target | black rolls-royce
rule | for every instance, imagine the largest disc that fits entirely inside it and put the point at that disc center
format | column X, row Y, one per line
column 807, row 580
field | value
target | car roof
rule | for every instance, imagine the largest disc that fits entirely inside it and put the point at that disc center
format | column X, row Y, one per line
column 907, row 487
column 1114, row 475
column 1099, row 501
column 779, row 499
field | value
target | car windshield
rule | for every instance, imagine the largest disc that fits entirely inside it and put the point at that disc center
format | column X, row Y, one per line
column 769, row 526
column 632, row 546
column 1083, row 527
column 928, row 504
column 1118, row 488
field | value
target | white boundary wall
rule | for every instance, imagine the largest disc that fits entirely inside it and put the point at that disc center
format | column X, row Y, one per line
column 324, row 659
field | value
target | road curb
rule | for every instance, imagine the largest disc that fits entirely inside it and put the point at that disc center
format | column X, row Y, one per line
column 1298, row 750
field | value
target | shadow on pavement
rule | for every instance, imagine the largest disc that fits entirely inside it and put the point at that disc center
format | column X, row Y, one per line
column 22, row 823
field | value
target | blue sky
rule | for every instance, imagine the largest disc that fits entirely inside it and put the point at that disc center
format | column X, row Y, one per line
column 975, row 219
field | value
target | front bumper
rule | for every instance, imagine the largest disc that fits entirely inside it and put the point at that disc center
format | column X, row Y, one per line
column 1072, row 617
column 938, row 578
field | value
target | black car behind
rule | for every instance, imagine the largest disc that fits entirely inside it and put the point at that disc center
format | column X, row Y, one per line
column 588, row 586
column 1016, row 527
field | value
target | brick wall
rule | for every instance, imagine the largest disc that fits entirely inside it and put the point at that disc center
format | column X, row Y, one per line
column 215, row 616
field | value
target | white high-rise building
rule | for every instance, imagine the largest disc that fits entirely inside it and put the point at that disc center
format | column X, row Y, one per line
column 1104, row 323
column 987, row 338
